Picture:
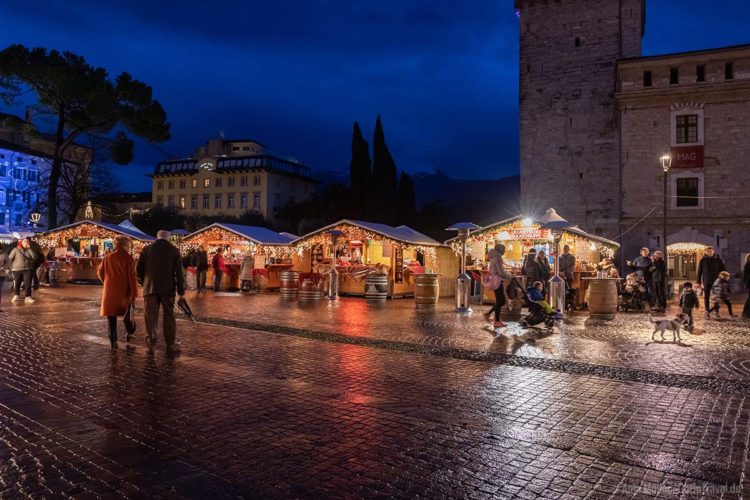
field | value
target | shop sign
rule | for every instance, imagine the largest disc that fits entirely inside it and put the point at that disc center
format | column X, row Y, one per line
column 528, row 233
column 687, row 157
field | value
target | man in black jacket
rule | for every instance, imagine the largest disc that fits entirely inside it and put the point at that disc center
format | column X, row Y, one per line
column 708, row 270
column 160, row 272
column 200, row 263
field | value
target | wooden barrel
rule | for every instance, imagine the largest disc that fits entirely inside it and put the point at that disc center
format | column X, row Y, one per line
column 308, row 291
column 260, row 283
column 426, row 290
column 57, row 277
column 376, row 287
column 289, row 284
column 513, row 308
column 602, row 298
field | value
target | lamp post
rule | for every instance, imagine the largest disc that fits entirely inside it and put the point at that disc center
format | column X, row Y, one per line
column 557, row 225
column 666, row 164
column 463, row 282
column 35, row 218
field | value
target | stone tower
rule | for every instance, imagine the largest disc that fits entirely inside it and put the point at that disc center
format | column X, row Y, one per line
column 570, row 156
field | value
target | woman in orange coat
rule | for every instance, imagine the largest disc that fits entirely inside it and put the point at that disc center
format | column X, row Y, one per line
column 117, row 273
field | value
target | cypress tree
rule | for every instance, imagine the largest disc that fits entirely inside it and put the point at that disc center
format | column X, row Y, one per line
column 359, row 173
column 384, row 178
column 407, row 200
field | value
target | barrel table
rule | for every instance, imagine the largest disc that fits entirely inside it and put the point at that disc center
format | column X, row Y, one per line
column 260, row 283
column 57, row 277
column 376, row 287
column 308, row 291
column 602, row 298
column 289, row 284
column 426, row 290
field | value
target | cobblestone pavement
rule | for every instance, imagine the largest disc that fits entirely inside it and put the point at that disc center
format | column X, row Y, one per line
column 717, row 349
column 252, row 413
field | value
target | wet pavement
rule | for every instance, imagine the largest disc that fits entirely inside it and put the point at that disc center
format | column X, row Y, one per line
column 273, row 399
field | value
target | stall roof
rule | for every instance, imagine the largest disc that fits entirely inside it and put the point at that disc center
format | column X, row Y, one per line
column 404, row 234
column 258, row 235
column 137, row 234
column 574, row 229
column 129, row 225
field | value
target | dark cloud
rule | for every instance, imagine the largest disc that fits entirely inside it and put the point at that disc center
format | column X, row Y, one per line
column 295, row 75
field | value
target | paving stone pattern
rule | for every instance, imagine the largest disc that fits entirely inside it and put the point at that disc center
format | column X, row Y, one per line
column 251, row 413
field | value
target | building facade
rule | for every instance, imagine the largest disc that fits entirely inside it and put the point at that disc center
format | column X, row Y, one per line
column 694, row 106
column 231, row 178
column 21, row 174
column 567, row 115
column 595, row 117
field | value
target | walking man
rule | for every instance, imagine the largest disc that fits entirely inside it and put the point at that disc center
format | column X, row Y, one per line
column 200, row 263
column 160, row 271
column 708, row 271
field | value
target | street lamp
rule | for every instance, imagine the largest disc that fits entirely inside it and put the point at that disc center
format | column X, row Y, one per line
column 35, row 218
column 557, row 225
column 666, row 164
column 463, row 282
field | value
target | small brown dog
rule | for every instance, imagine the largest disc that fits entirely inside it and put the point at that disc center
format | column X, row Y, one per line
column 662, row 325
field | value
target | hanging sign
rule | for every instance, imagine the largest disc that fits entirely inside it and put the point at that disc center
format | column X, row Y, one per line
column 528, row 233
column 687, row 157
column 398, row 266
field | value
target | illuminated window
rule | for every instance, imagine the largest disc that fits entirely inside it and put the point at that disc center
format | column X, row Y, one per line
column 182, row 201
column 194, row 183
column 206, row 183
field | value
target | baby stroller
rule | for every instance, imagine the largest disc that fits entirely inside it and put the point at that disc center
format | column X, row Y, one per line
column 633, row 294
column 536, row 313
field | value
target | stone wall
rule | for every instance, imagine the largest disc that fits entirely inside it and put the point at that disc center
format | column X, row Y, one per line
column 568, row 118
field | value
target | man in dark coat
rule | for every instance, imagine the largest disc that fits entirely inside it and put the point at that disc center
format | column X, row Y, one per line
column 567, row 265
column 200, row 263
column 160, row 272
column 708, row 271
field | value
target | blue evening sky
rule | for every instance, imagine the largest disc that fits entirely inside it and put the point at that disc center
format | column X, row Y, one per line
column 295, row 75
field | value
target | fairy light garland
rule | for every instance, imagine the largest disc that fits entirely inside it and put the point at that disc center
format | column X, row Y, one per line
column 357, row 233
column 211, row 237
column 685, row 248
column 59, row 238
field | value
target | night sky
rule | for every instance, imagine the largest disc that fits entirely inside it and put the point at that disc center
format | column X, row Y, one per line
column 295, row 75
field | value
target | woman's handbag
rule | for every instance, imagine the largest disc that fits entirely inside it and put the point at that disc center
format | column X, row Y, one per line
column 491, row 281
column 130, row 318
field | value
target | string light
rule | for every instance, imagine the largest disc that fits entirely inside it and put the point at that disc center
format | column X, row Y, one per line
column 59, row 237
column 215, row 237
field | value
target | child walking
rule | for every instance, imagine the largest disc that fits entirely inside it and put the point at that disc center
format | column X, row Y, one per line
column 688, row 302
column 721, row 292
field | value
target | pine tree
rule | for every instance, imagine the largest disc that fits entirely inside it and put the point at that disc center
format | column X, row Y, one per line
column 384, row 179
column 359, row 173
column 406, row 207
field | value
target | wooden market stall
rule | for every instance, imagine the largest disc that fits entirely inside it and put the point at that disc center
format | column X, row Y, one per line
column 519, row 235
column 364, row 248
column 79, row 248
column 271, row 251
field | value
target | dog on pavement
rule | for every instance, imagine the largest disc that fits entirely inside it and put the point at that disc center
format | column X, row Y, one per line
column 662, row 325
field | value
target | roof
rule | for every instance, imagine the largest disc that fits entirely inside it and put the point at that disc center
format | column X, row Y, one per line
column 126, row 224
column 717, row 50
column 235, row 163
column 574, row 229
column 256, row 234
column 136, row 234
column 403, row 234
column 20, row 148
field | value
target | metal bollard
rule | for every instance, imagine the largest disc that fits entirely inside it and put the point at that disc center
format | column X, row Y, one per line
column 463, row 293
column 557, row 296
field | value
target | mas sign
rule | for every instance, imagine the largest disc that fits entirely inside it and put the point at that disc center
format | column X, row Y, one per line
column 687, row 157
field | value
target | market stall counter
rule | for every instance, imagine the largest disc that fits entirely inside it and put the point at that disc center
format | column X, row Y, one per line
column 521, row 234
column 357, row 249
column 78, row 249
column 270, row 252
